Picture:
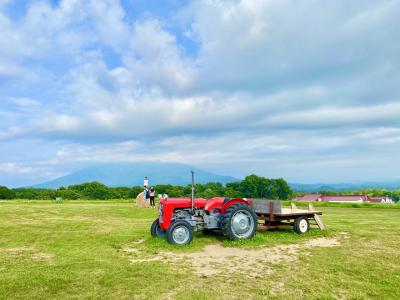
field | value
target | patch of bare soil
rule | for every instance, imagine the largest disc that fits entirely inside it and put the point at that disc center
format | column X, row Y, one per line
column 16, row 250
column 323, row 242
column 42, row 256
column 129, row 249
column 344, row 235
column 215, row 259
column 27, row 252
column 277, row 287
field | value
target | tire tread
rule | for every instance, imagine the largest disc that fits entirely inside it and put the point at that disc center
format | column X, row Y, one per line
column 297, row 225
column 226, row 221
column 153, row 229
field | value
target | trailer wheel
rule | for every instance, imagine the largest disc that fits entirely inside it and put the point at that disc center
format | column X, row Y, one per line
column 301, row 225
column 239, row 222
column 156, row 230
column 180, row 233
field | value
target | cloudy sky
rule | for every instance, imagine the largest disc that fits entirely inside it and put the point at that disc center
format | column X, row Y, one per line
column 306, row 90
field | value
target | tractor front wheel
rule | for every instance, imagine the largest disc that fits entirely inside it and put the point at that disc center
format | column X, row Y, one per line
column 180, row 233
column 239, row 222
column 156, row 230
column 301, row 225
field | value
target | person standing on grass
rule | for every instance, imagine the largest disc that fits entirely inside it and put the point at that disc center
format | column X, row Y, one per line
column 145, row 189
column 152, row 195
column 146, row 196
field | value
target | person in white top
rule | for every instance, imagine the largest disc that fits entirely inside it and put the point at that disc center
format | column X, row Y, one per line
column 146, row 189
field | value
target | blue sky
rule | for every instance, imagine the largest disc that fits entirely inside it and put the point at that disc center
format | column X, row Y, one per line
column 305, row 90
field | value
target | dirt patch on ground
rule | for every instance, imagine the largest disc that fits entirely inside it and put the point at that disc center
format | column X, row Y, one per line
column 28, row 252
column 42, row 256
column 215, row 259
column 277, row 287
column 16, row 250
column 344, row 235
column 129, row 249
column 323, row 242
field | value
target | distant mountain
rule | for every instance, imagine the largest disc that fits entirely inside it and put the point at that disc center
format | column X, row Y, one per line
column 132, row 174
column 341, row 187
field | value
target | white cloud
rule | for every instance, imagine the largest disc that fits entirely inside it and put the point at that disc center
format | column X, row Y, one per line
column 10, row 167
column 11, row 132
column 113, row 152
column 296, row 42
column 158, row 58
column 59, row 123
column 333, row 116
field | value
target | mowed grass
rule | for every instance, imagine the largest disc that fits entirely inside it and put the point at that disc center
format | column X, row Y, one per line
column 76, row 250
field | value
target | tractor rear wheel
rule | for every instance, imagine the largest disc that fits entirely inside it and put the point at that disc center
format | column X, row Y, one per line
column 239, row 222
column 156, row 230
column 301, row 225
column 180, row 233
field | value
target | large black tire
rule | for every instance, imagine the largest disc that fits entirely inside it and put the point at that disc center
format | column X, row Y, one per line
column 180, row 233
column 156, row 230
column 239, row 222
column 301, row 225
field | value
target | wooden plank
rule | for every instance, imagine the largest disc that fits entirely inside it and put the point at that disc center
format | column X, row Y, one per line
column 271, row 211
column 264, row 206
column 298, row 212
column 318, row 220
column 293, row 207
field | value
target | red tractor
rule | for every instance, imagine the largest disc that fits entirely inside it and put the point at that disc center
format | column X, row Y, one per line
column 180, row 217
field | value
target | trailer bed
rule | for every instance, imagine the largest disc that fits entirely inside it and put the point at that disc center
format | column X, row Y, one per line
column 297, row 212
column 272, row 214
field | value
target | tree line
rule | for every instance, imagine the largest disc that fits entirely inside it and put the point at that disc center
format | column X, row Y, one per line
column 251, row 187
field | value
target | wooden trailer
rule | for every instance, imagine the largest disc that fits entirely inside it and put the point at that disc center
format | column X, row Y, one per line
column 271, row 214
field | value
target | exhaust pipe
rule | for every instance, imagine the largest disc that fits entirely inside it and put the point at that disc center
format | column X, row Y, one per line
column 192, row 191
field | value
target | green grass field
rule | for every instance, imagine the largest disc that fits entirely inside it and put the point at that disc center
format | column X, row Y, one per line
column 92, row 249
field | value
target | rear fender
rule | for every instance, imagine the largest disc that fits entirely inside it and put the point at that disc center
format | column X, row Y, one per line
column 233, row 201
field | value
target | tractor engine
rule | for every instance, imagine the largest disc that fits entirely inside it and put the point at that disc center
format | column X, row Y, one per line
column 199, row 219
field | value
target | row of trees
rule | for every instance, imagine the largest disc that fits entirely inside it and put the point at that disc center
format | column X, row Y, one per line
column 252, row 187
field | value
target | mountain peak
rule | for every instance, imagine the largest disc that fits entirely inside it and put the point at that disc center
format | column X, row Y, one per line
column 132, row 174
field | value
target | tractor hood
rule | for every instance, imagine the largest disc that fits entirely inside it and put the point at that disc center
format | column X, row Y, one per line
column 183, row 202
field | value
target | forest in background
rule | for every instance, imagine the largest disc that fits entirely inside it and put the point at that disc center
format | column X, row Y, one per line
column 252, row 186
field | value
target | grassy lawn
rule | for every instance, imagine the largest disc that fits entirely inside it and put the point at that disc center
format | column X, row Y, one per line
column 92, row 249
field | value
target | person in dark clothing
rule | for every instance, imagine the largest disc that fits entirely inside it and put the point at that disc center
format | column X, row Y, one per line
column 146, row 195
column 152, row 195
